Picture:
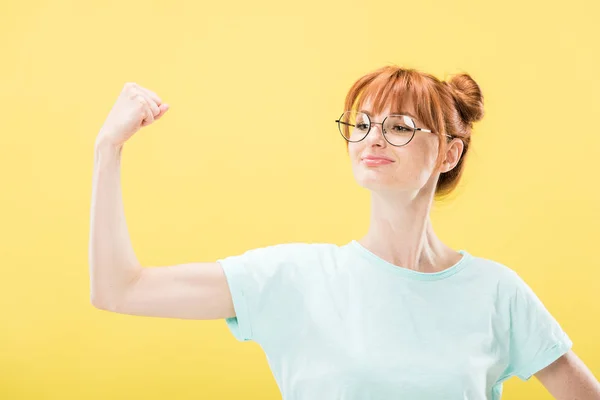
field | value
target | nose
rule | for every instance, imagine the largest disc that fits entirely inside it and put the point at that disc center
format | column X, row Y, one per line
column 377, row 137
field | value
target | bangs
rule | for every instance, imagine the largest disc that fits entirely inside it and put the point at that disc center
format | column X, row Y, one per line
column 395, row 88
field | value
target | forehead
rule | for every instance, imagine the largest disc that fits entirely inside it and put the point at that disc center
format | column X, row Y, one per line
column 403, row 105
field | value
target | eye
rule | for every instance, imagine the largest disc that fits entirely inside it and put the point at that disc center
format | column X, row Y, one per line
column 362, row 127
column 400, row 128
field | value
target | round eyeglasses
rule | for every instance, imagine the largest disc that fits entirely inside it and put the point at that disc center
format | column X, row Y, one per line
column 398, row 129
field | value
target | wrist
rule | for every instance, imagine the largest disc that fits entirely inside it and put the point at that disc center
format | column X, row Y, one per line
column 107, row 152
column 103, row 144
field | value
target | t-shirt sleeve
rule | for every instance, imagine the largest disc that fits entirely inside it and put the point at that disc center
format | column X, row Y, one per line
column 266, row 288
column 536, row 338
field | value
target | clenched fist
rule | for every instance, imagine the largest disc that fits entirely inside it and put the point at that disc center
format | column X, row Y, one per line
column 135, row 108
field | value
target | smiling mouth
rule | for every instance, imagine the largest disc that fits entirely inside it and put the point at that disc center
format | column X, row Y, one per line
column 376, row 162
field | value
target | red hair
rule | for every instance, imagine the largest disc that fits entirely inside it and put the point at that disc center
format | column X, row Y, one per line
column 445, row 107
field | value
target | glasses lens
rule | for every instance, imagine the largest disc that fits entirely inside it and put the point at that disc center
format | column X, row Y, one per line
column 354, row 125
column 399, row 129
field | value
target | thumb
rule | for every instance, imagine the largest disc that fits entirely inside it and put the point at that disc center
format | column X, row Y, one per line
column 163, row 109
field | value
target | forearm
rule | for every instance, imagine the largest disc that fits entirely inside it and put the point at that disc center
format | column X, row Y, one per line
column 568, row 378
column 112, row 260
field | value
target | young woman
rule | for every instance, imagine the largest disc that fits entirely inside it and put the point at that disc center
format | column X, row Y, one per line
column 395, row 314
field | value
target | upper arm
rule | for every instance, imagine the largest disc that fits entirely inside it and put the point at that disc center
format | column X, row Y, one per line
column 536, row 338
column 188, row 291
column 568, row 378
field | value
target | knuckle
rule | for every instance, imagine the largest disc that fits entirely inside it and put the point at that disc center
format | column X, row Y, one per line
column 140, row 99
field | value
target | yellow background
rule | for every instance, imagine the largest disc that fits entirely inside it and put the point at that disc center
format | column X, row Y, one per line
column 234, row 165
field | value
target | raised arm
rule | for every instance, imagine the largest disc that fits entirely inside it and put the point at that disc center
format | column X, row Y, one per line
column 112, row 261
column 118, row 282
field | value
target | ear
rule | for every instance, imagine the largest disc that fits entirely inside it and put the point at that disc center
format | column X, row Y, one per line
column 453, row 154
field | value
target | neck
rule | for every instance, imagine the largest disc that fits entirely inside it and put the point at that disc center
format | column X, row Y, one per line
column 401, row 233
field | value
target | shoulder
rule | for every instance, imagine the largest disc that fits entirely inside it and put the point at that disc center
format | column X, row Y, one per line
column 295, row 249
column 280, row 254
column 492, row 267
column 505, row 278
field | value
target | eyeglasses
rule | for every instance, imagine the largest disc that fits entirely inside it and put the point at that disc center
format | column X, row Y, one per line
column 398, row 129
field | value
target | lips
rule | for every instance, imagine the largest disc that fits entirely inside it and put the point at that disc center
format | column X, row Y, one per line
column 375, row 162
column 375, row 158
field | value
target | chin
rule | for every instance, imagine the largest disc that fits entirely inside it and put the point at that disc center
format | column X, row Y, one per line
column 387, row 182
column 401, row 178
column 377, row 183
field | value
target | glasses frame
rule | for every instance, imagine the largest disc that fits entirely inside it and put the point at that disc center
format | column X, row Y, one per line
column 371, row 123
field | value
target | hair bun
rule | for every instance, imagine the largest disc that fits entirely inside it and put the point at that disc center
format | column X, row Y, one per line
column 468, row 96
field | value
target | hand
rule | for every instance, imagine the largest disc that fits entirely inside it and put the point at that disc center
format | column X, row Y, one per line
column 135, row 108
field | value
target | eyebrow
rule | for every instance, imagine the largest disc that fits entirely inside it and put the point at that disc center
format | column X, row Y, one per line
column 400, row 112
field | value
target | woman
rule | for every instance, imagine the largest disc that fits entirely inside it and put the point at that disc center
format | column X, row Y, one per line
column 396, row 314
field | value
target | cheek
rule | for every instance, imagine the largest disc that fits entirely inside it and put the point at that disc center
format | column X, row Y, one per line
column 415, row 164
column 354, row 153
column 424, row 154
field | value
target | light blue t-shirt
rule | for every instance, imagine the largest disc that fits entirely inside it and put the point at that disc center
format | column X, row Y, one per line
column 339, row 322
